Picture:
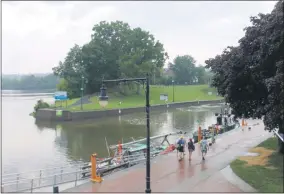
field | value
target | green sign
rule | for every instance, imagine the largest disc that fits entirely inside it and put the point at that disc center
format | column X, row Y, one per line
column 59, row 113
column 58, row 127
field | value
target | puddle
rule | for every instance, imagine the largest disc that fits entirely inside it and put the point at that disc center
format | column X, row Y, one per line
column 250, row 154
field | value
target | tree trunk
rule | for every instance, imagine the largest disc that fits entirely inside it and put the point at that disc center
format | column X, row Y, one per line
column 281, row 146
column 280, row 142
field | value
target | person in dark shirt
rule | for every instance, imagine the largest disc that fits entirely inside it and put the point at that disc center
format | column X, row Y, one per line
column 191, row 148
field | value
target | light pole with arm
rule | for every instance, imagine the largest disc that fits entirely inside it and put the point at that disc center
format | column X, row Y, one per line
column 173, row 83
column 103, row 100
column 82, row 90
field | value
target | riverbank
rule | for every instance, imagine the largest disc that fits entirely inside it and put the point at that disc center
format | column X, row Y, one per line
column 66, row 115
column 118, row 101
column 264, row 171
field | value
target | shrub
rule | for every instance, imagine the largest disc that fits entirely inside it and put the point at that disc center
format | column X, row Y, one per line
column 41, row 104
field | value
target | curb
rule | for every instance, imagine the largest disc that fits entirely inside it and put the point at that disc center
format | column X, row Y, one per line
column 237, row 181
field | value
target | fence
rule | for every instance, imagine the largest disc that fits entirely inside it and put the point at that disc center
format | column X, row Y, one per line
column 19, row 180
column 17, row 183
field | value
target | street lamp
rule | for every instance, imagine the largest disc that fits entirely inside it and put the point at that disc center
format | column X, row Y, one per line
column 173, row 83
column 103, row 98
column 82, row 90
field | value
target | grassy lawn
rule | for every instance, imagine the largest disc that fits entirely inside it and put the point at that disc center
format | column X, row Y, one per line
column 182, row 94
column 263, row 172
column 65, row 103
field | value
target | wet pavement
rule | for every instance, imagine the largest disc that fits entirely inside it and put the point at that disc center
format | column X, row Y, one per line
column 170, row 175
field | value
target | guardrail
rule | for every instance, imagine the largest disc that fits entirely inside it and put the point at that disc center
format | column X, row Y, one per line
column 40, row 181
column 29, row 185
column 40, row 172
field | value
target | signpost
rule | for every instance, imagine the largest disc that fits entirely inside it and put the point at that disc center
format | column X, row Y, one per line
column 164, row 97
column 61, row 96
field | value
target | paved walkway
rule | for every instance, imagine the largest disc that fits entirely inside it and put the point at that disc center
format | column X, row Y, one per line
column 170, row 175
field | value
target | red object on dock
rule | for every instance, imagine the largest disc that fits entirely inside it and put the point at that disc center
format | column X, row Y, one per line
column 119, row 147
column 169, row 149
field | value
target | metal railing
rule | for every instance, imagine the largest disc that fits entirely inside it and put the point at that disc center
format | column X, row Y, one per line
column 44, row 179
column 20, row 177
column 22, row 185
column 29, row 185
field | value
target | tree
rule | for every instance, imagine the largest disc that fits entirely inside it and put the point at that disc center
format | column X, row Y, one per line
column 251, row 75
column 72, row 70
column 200, row 74
column 183, row 68
column 115, row 51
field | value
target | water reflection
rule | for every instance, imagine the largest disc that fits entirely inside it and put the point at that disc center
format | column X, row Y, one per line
column 80, row 139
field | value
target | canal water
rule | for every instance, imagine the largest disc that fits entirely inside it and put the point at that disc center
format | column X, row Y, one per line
column 29, row 145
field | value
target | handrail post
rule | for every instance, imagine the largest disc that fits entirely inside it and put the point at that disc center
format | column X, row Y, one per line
column 76, row 180
column 94, row 176
column 54, row 180
column 32, row 185
column 61, row 171
column 39, row 177
column 18, row 177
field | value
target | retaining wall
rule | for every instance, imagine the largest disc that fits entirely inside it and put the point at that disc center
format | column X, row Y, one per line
column 50, row 114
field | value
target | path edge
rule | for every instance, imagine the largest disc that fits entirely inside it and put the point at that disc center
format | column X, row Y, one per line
column 229, row 174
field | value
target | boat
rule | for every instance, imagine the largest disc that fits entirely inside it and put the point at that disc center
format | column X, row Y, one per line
column 224, row 122
column 131, row 153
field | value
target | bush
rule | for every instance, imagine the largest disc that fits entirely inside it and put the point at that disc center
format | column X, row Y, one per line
column 41, row 104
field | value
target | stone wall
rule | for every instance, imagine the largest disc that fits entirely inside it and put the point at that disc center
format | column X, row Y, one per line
column 50, row 114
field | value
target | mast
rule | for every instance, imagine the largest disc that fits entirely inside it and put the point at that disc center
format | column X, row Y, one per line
column 144, row 139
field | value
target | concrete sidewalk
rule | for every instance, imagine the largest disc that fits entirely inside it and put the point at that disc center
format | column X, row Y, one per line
column 170, row 175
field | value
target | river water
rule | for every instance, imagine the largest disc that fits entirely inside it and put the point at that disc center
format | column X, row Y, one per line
column 29, row 145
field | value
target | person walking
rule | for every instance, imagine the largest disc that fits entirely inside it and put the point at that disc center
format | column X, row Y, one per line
column 181, row 144
column 204, row 147
column 191, row 148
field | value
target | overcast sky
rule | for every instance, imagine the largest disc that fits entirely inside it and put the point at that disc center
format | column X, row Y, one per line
column 37, row 35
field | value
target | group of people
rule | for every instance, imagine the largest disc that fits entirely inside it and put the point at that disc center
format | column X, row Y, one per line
column 181, row 144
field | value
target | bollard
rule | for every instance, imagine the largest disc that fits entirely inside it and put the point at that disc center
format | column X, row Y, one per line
column 119, row 150
column 199, row 134
column 217, row 129
column 55, row 189
column 243, row 124
column 94, row 176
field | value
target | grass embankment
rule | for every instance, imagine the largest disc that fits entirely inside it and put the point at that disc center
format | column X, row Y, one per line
column 263, row 172
column 181, row 94
column 65, row 103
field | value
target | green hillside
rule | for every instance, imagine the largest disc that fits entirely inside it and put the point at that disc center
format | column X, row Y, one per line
column 182, row 94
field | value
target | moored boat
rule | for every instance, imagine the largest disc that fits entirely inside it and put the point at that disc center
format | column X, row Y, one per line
column 224, row 122
column 131, row 153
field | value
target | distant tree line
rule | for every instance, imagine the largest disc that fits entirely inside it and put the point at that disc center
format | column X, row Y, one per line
column 30, row 82
column 184, row 71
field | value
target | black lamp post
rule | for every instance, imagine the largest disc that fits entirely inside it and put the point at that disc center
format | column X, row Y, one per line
column 173, row 82
column 82, row 90
column 103, row 100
